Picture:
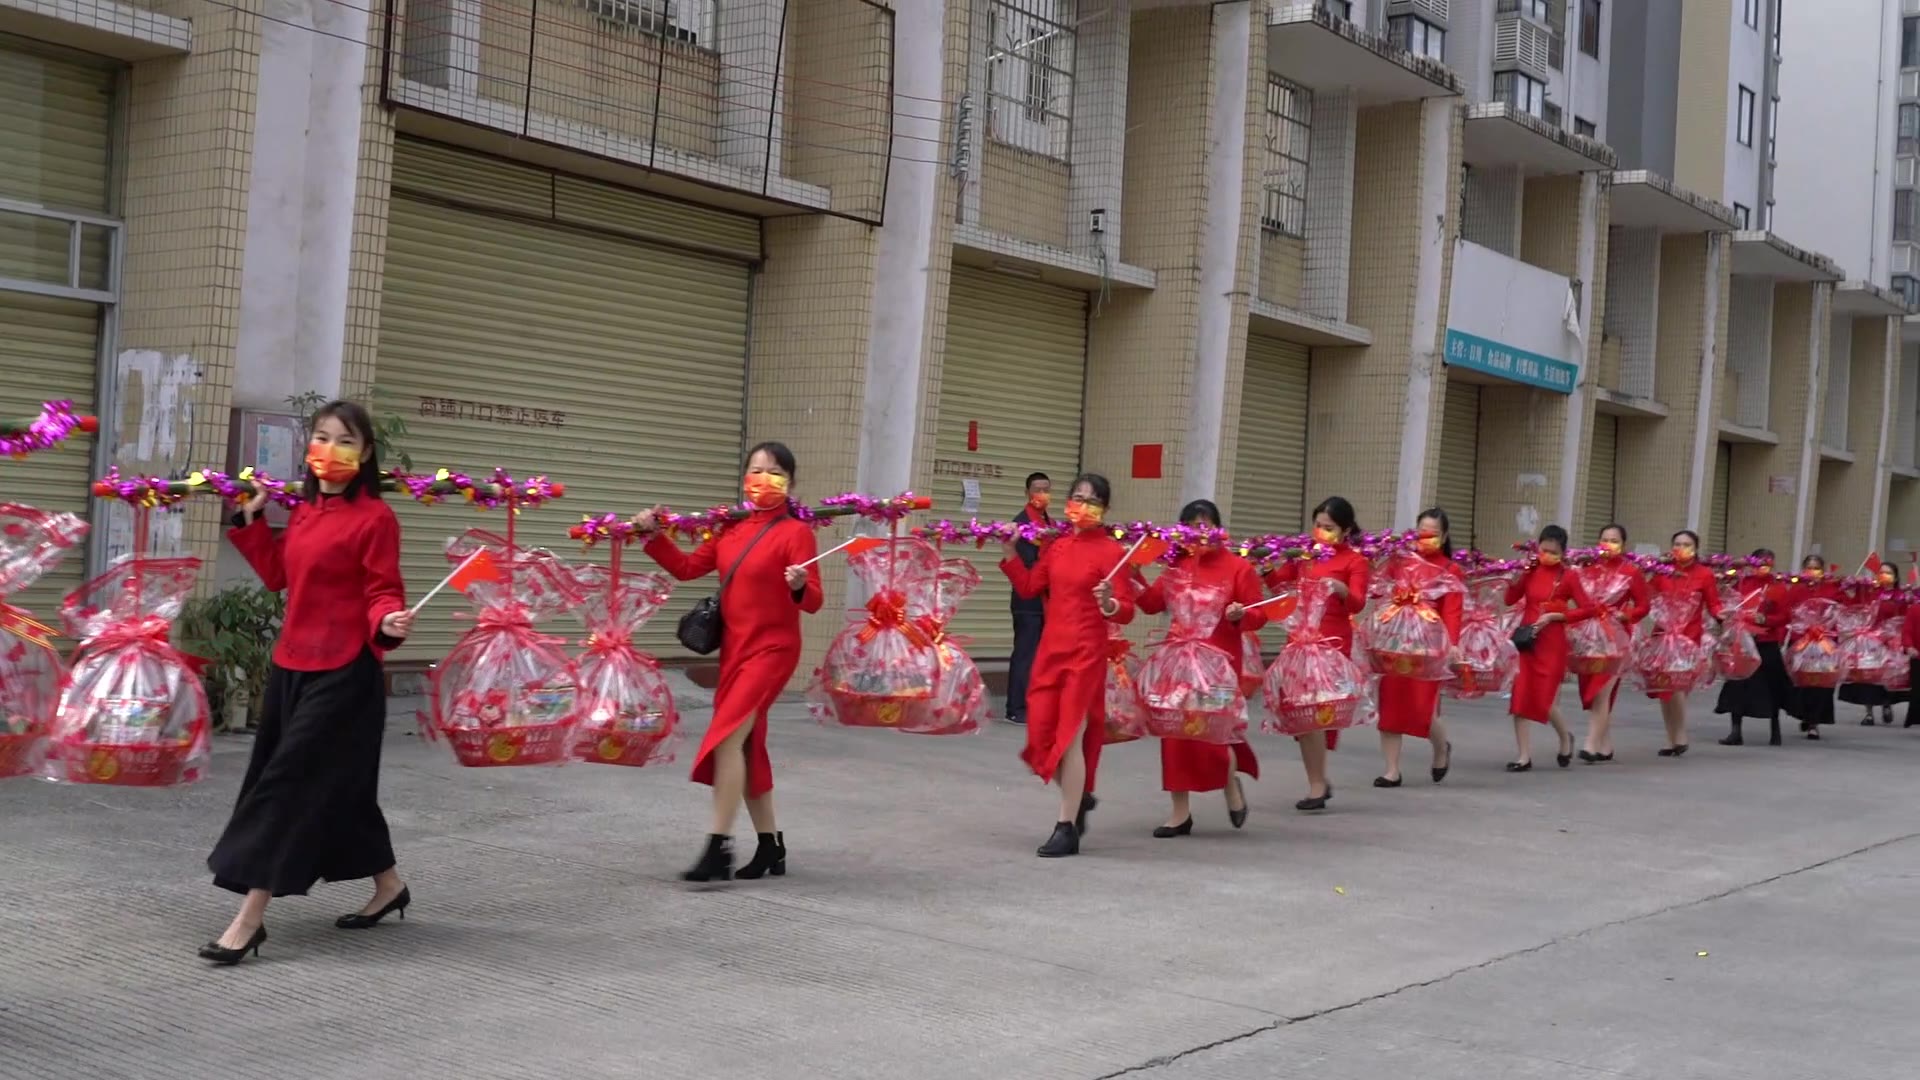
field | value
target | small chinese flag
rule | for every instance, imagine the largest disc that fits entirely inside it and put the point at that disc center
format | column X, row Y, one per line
column 1283, row 607
column 1873, row 563
column 865, row 543
column 1149, row 550
column 478, row 568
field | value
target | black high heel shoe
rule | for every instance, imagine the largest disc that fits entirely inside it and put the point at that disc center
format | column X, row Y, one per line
column 1674, row 751
column 1168, row 832
column 1564, row 758
column 1065, row 841
column 769, row 858
column 1238, row 817
column 716, row 863
column 1383, row 782
column 362, row 921
column 226, row 957
column 1316, row 802
column 1519, row 766
column 1440, row 771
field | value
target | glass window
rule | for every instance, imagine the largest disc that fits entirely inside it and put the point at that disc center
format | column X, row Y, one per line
column 1908, row 288
column 1284, row 180
column 1590, row 28
column 1584, row 126
column 1339, row 9
column 1538, row 9
column 1523, row 92
column 1418, row 36
column 1910, row 41
column 1752, row 13
column 1766, row 217
column 1743, row 120
column 1904, row 218
column 1743, row 215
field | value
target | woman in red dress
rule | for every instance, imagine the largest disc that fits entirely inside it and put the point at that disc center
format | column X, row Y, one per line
column 1764, row 601
column 309, row 805
column 1066, row 699
column 1551, row 597
column 763, row 590
column 1599, row 693
column 1812, row 705
column 1187, row 766
column 1688, row 578
column 1346, row 573
column 1887, row 605
column 1412, row 706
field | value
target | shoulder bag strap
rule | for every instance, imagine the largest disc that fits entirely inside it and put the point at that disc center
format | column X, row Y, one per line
column 743, row 551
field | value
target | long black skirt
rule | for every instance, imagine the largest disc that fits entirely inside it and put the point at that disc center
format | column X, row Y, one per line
column 309, row 806
column 1811, row 705
column 1762, row 696
column 1871, row 695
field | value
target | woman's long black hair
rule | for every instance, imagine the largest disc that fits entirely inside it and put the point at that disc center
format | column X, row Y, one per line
column 357, row 420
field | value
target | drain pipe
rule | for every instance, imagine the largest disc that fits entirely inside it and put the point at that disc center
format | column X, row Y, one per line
column 1889, row 16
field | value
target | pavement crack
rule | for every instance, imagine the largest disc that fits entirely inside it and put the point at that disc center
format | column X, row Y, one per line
column 1165, row 1060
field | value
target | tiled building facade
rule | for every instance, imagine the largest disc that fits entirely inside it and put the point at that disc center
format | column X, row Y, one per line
column 1258, row 251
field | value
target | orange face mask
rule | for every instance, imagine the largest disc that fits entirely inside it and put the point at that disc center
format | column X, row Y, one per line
column 1326, row 536
column 1428, row 542
column 1040, row 500
column 1084, row 515
column 1549, row 558
column 1813, row 573
column 1683, row 553
column 1611, row 547
column 1888, row 581
column 1763, row 571
column 765, row 490
column 332, row 463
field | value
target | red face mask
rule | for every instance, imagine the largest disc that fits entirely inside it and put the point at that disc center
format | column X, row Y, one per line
column 1085, row 515
column 1040, row 500
column 1549, row 558
column 332, row 463
column 1428, row 543
column 765, row 490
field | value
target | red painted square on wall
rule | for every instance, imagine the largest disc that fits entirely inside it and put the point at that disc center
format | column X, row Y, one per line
column 1146, row 461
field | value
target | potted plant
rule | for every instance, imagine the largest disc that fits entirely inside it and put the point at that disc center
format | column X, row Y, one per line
column 234, row 629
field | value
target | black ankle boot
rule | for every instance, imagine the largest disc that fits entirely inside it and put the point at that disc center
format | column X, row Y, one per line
column 716, row 863
column 1774, row 739
column 1087, row 805
column 1734, row 738
column 1064, row 841
column 769, row 858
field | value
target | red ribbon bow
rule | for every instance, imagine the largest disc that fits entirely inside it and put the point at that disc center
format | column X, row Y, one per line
column 145, row 630
column 887, row 610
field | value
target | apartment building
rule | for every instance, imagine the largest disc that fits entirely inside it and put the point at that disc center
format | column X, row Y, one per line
column 1407, row 251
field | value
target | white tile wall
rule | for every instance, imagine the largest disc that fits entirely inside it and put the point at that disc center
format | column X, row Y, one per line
column 1633, row 304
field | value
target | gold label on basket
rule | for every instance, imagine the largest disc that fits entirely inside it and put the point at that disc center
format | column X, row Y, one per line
column 609, row 749
column 502, row 748
column 103, row 765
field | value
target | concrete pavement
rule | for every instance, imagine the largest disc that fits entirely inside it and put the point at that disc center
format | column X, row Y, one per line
column 1496, row 926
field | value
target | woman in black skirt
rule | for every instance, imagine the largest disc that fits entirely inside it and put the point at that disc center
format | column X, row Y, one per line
column 1812, row 705
column 309, row 806
column 1765, row 601
column 1888, row 605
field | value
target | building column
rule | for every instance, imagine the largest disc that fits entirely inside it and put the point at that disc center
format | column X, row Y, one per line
column 1374, row 411
column 1852, row 498
column 1163, row 364
column 1665, row 473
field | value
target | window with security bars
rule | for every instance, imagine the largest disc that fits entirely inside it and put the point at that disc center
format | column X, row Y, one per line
column 1030, row 54
column 1906, row 216
column 689, row 21
column 1907, row 288
column 1284, row 180
column 1523, row 92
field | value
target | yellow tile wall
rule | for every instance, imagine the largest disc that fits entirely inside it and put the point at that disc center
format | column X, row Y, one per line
column 189, row 146
column 838, row 91
column 1656, row 456
column 1844, row 513
column 1358, row 396
column 1762, row 498
column 1023, row 194
column 1702, row 115
column 1283, row 264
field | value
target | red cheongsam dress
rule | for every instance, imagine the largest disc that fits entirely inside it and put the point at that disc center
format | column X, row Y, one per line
column 1187, row 765
column 1408, row 706
column 1545, row 591
column 1351, row 569
column 1633, row 609
column 1694, row 580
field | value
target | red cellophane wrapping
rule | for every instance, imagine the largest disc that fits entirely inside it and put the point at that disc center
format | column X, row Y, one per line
column 1191, row 688
column 1898, row 677
column 1403, row 632
column 627, row 715
column 1736, row 656
column 132, row 711
column 881, row 666
column 1599, row 646
column 505, row 694
column 958, row 705
column 1487, row 661
column 1666, row 661
column 1813, row 654
column 1253, row 665
column 1864, row 652
column 1314, row 685
column 31, row 543
column 1126, row 713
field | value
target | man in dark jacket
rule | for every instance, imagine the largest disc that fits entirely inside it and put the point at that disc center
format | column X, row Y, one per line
column 1029, row 616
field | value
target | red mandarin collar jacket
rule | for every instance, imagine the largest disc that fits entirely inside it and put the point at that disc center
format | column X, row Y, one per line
column 338, row 560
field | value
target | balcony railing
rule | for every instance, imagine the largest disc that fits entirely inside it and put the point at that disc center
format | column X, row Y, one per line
column 696, row 89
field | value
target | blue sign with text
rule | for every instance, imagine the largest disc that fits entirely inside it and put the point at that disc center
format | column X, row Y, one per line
column 1507, row 362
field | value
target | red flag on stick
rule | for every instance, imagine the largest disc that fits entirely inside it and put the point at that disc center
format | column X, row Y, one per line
column 476, row 567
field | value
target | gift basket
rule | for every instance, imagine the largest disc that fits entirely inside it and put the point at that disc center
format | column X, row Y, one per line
column 1403, row 633
column 132, row 711
column 881, row 667
column 507, row 694
column 1864, row 655
column 1599, row 646
column 1253, row 665
column 1666, row 660
column 31, row 543
column 1899, row 674
column 1126, row 713
column 1813, row 655
column 1314, row 685
column 627, row 715
column 1487, row 660
column 958, row 705
column 1190, row 687
column 1736, row 655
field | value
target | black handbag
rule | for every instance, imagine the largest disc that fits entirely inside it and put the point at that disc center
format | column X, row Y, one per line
column 700, row 629
column 1523, row 638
